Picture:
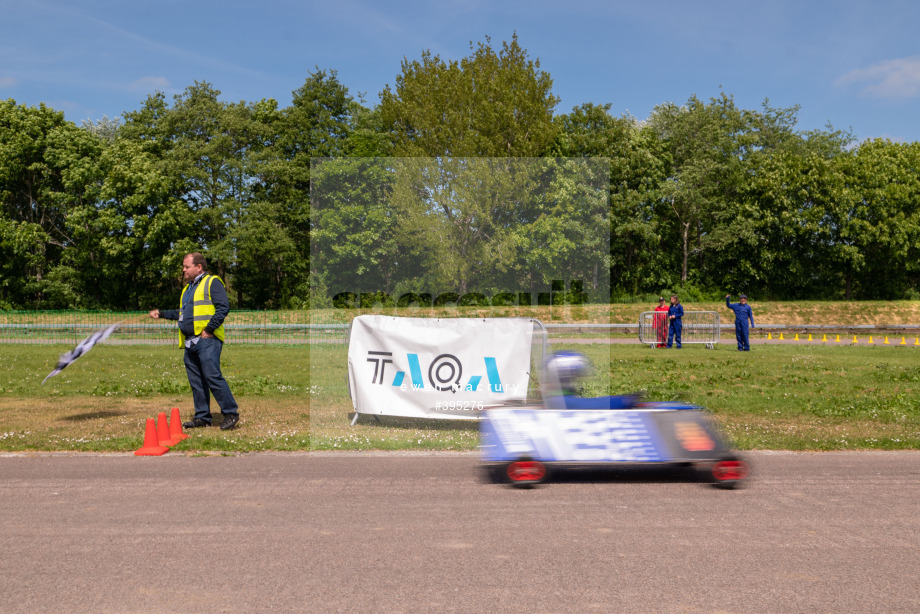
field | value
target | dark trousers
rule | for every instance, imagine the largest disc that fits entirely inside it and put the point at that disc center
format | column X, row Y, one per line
column 674, row 333
column 741, row 335
column 202, row 364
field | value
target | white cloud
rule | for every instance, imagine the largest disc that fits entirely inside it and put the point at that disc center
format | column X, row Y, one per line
column 9, row 81
column 149, row 84
column 898, row 78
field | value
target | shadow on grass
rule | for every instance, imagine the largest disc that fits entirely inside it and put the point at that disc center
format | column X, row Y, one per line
column 93, row 416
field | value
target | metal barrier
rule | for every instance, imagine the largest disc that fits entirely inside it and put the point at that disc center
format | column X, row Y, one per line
column 330, row 328
column 698, row 327
column 303, row 327
column 136, row 328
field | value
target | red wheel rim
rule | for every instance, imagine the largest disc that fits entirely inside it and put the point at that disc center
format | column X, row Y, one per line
column 526, row 471
column 730, row 470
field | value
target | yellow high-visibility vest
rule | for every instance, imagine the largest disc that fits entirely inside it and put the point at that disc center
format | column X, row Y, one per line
column 202, row 307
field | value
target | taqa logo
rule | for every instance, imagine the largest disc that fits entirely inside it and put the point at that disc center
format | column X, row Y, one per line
column 445, row 373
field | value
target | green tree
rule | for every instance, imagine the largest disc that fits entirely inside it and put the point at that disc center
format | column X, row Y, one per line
column 638, row 259
column 49, row 177
column 502, row 224
column 702, row 147
column 353, row 236
column 213, row 159
column 487, row 104
column 884, row 220
column 318, row 125
column 137, row 225
column 770, row 236
column 218, row 158
column 462, row 214
column 242, row 173
column 567, row 237
column 787, row 239
column 368, row 138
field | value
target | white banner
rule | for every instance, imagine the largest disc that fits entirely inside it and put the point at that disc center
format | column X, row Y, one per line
column 437, row 368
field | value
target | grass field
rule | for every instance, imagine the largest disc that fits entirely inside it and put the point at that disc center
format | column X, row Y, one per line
column 795, row 397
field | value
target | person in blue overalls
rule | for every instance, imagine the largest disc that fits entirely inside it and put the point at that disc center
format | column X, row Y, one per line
column 743, row 313
column 675, row 313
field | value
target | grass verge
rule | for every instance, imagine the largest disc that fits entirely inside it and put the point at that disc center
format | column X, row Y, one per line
column 775, row 397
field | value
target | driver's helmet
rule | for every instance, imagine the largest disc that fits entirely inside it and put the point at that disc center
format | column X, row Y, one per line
column 565, row 369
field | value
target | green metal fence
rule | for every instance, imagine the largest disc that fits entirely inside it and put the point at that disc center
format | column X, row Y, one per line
column 316, row 328
column 137, row 328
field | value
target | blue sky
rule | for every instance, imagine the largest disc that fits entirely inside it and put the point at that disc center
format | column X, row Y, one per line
column 855, row 64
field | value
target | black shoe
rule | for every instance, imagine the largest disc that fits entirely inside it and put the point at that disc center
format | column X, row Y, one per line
column 229, row 422
column 196, row 423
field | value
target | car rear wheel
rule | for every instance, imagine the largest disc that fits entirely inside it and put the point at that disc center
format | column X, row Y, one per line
column 730, row 471
column 525, row 472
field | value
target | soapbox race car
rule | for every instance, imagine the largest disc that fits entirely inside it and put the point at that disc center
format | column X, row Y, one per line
column 524, row 445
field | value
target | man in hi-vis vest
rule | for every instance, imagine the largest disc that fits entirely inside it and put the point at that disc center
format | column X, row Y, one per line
column 203, row 306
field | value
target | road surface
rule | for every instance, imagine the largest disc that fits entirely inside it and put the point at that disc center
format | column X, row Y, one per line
column 317, row 532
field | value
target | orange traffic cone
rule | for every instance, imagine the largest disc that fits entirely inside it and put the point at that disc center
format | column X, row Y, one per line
column 175, row 426
column 163, row 431
column 151, row 445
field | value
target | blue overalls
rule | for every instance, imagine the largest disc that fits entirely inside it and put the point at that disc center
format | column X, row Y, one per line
column 675, row 325
column 743, row 313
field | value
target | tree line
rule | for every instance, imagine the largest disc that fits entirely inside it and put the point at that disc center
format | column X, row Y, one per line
column 702, row 197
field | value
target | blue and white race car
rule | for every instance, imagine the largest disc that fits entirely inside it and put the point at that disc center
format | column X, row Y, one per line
column 522, row 445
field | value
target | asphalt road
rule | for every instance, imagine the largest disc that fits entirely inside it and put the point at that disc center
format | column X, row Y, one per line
column 832, row 532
